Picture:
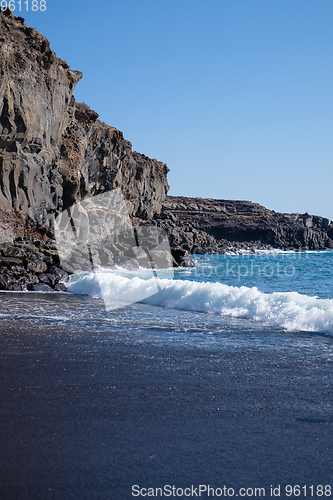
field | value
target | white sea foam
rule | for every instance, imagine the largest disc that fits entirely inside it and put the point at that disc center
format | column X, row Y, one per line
column 255, row 251
column 288, row 310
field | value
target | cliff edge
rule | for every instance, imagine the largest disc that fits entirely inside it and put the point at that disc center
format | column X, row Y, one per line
column 218, row 226
column 54, row 151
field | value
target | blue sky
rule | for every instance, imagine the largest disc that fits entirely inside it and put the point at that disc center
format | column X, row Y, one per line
column 234, row 95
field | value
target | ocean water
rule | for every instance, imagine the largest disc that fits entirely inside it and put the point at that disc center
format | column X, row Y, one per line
column 230, row 298
column 222, row 377
column 285, row 291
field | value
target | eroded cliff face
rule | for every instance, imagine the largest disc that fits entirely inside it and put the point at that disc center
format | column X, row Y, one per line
column 95, row 158
column 54, row 152
column 36, row 105
column 198, row 224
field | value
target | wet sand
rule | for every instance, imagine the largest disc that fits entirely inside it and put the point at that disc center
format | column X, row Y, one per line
column 88, row 417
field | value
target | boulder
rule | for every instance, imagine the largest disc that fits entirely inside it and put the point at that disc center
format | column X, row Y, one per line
column 40, row 287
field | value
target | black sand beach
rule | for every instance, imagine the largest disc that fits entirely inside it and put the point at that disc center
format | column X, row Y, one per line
column 87, row 416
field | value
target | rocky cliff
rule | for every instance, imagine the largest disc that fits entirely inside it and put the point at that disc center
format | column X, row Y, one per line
column 201, row 225
column 53, row 151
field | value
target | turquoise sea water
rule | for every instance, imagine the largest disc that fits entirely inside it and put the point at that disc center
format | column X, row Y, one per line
column 286, row 291
column 309, row 273
column 223, row 296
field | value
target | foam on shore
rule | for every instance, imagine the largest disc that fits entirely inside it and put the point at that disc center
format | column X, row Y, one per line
column 289, row 310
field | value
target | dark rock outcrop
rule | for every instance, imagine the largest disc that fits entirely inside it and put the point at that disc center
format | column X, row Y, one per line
column 205, row 225
column 35, row 265
column 36, row 106
column 54, row 152
column 95, row 158
column 28, row 264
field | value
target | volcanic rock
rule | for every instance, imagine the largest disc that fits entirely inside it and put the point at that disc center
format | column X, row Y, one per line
column 213, row 226
column 53, row 151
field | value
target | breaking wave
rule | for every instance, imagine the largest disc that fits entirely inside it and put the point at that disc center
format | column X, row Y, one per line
column 288, row 310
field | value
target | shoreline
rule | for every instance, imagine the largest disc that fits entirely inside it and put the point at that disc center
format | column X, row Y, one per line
column 35, row 265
